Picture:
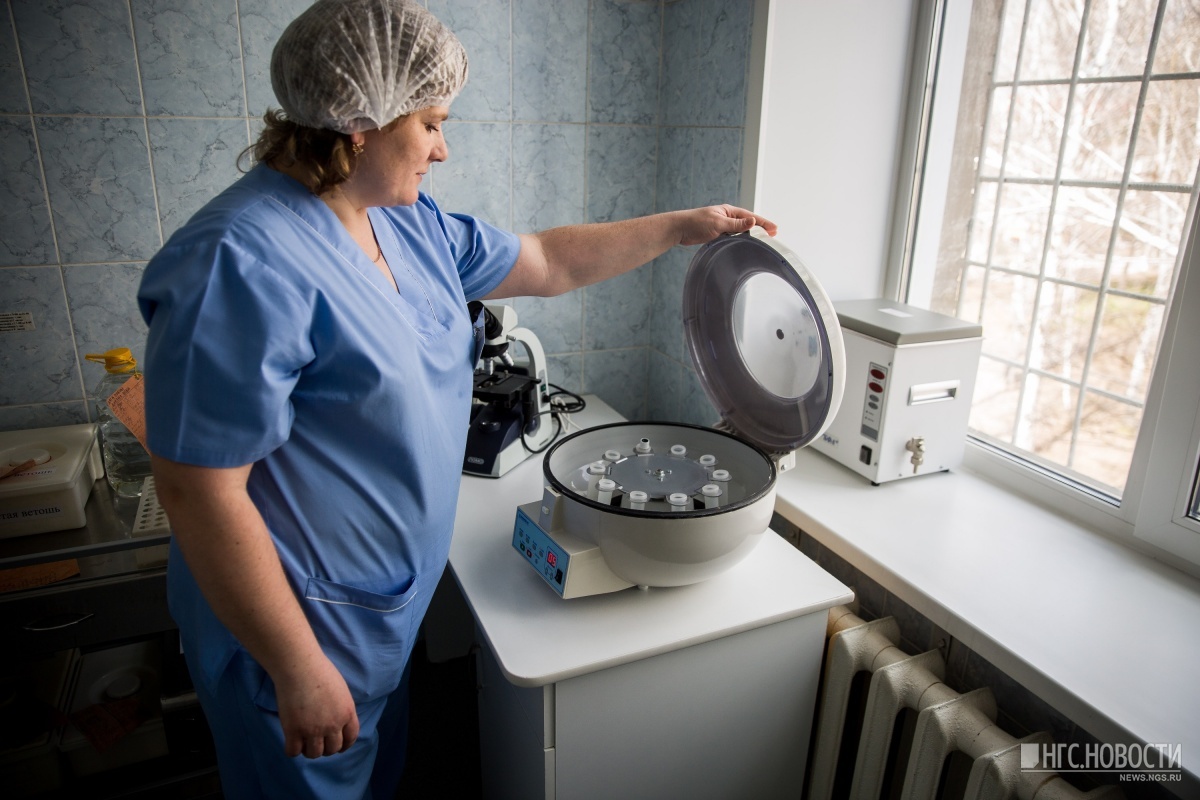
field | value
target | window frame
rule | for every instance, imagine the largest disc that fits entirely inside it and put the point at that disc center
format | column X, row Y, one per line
column 1167, row 485
column 1153, row 513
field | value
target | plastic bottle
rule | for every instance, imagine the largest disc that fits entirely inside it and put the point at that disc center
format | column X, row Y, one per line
column 126, row 462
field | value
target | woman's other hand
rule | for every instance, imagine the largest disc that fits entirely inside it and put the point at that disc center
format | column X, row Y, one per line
column 232, row 556
column 316, row 712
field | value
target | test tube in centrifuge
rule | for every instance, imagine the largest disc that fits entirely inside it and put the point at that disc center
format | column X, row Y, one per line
column 678, row 450
column 680, row 501
column 642, row 447
column 707, row 461
column 604, row 490
column 612, row 456
column 712, row 495
column 595, row 472
column 721, row 478
column 637, row 499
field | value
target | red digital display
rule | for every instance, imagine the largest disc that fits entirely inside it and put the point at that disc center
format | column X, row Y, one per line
column 551, row 559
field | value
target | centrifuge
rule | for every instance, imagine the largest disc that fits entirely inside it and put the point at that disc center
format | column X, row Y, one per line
column 666, row 504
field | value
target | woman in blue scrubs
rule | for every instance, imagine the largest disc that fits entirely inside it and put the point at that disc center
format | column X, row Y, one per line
column 309, row 380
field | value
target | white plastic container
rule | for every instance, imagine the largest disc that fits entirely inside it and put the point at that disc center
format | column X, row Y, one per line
column 51, row 496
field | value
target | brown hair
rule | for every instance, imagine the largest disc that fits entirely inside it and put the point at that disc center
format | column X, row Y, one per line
column 321, row 159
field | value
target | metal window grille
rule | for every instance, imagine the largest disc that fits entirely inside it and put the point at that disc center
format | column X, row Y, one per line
column 1000, row 178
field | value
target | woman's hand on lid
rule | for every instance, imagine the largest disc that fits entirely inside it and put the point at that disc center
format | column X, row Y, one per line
column 700, row 225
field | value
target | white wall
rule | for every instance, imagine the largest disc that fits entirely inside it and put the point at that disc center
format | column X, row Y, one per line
column 832, row 109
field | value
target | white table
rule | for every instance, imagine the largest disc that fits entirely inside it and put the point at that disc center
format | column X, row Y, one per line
column 697, row 691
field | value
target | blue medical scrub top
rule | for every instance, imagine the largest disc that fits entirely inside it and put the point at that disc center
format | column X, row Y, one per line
column 274, row 340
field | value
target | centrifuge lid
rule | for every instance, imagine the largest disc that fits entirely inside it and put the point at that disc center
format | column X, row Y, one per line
column 764, row 339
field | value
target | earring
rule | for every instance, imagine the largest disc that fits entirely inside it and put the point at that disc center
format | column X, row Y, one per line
column 356, row 148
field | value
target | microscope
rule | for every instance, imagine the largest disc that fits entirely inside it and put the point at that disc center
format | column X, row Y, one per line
column 510, row 405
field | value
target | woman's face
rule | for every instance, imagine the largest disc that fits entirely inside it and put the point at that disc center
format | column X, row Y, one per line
column 396, row 157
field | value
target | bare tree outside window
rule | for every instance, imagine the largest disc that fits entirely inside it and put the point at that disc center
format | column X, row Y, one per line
column 1073, row 182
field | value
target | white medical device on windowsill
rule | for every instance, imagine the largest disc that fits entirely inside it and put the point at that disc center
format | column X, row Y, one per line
column 910, row 377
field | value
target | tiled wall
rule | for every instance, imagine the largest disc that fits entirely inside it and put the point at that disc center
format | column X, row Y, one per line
column 119, row 118
column 702, row 108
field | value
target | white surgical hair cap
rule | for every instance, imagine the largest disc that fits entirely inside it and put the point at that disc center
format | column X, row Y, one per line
column 355, row 65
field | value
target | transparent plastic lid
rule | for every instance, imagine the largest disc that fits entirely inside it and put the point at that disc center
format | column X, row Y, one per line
column 764, row 339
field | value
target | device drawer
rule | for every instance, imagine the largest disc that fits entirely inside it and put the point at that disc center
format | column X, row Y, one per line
column 78, row 615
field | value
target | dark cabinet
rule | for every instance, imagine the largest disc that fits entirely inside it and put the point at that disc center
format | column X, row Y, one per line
column 93, row 653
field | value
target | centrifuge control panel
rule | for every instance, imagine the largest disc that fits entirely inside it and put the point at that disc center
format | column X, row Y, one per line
column 543, row 554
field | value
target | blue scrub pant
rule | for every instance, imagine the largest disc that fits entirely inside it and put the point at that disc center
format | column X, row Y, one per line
column 249, row 744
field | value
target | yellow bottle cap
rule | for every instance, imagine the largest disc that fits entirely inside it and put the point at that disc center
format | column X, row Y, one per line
column 118, row 360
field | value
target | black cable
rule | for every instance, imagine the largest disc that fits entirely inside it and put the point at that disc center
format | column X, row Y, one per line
column 557, row 408
column 578, row 405
column 550, row 441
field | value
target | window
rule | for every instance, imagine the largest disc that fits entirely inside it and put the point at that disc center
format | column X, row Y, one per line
column 1054, row 200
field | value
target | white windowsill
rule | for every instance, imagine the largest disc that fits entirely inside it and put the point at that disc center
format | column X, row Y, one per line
column 1107, row 636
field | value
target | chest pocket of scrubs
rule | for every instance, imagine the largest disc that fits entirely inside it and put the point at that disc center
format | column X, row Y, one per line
column 367, row 636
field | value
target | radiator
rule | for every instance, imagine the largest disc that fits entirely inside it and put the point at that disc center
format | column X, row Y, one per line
column 870, row 750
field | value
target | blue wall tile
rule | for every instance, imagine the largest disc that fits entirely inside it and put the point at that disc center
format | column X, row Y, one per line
column 483, row 28
column 98, row 177
column 916, row 631
column 870, row 596
column 706, row 45
column 39, row 365
column 557, row 321
column 550, row 60
column 194, row 159
column 261, row 23
column 190, row 57
column 78, row 56
column 477, row 177
column 723, row 50
column 620, row 172
column 680, row 34
column 102, row 299
column 664, row 386
column 43, row 415
column 694, row 406
column 566, row 371
column 13, row 98
column 617, row 378
column 25, row 235
column 548, row 162
column 623, row 71
column 698, row 167
column 617, row 311
column 666, row 313
column 716, row 166
column 674, row 168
